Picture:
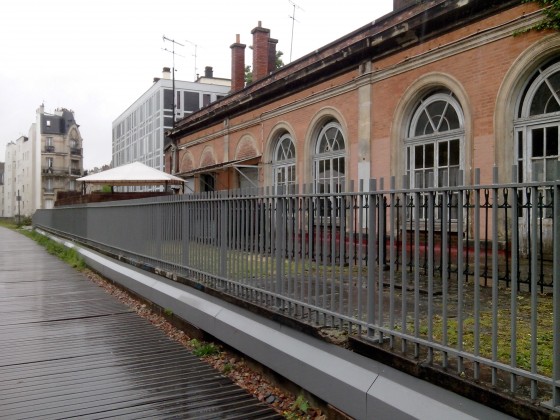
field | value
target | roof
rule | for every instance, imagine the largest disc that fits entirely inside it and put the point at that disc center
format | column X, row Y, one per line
column 135, row 173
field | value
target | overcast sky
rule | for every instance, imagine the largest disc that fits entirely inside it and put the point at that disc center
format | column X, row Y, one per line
column 97, row 57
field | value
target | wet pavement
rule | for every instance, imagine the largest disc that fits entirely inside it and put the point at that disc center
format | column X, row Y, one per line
column 69, row 349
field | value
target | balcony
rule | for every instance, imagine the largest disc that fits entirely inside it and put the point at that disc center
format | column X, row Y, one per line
column 49, row 149
column 76, row 151
column 76, row 171
column 54, row 171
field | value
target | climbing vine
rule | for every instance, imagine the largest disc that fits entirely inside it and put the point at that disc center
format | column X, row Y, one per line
column 551, row 11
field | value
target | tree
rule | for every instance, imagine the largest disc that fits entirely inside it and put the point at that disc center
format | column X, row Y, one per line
column 279, row 62
column 249, row 72
column 248, row 75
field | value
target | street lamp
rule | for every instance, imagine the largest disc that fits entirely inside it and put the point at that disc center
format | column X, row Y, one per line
column 18, row 199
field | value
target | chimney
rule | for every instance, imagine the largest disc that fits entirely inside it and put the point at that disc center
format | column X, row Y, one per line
column 261, row 59
column 272, row 54
column 237, row 65
column 166, row 73
column 208, row 72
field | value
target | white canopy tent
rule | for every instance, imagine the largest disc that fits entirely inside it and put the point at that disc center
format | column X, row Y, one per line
column 132, row 174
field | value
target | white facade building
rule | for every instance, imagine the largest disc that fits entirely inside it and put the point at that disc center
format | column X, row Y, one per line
column 138, row 133
column 46, row 162
column 2, row 165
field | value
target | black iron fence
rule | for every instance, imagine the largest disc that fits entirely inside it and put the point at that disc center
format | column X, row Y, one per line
column 463, row 277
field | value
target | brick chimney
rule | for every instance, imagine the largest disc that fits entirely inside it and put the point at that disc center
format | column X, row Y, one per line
column 208, row 72
column 261, row 60
column 272, row 54
column 237, row 65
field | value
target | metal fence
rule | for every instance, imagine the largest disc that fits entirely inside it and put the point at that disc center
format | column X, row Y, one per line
column 464, row 278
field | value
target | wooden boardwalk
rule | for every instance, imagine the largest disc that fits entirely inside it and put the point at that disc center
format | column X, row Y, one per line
column 68, row 349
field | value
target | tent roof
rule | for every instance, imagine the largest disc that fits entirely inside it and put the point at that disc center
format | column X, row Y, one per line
column 135, row 173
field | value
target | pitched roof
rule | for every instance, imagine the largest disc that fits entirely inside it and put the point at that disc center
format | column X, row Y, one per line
column 135, row 173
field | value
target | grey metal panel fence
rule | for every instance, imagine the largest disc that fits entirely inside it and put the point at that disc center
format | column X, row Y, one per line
column 463, row 277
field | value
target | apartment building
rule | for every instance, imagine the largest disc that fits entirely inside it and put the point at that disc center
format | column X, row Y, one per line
column 39, row 165
column 138, row 133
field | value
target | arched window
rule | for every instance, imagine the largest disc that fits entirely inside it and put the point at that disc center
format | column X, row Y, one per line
column 284, row 162
column 537, row 126
column 435, row 140
column 329, row 160
column 434, row 145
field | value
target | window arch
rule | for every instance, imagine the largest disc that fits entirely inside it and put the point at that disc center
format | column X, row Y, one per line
column 434, row 144
column 537, row 124
column 330, row 159
column 284, row 162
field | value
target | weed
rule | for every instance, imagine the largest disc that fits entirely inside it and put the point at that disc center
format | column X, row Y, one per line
column 227, row 368
column 298, row 409
column 168, row 312
column 201, row 349
column 300, row 404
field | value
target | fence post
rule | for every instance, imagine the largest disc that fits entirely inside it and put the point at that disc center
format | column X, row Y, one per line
column 514, row 280
column 380, row 251
column 556, row 292
column 223, row 234
column 476, row 278
column 371, row 254
column 495, row 275
column 430, row 222
column 185, row 234
column 404, row 263
column 280, row 252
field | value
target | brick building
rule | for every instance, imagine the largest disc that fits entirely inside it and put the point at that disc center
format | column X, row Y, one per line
column 437, row 87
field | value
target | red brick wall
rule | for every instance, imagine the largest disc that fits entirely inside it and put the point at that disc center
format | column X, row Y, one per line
column 479, row 72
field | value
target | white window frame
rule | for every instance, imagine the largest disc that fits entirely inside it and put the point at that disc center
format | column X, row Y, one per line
column 335, row 181
column 526, row 124
column 284, row 162
column 437, row 137
column 331, row 156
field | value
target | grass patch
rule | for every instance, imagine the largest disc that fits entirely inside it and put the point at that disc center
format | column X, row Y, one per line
column 523, row 338
column 68, row 255
column 202, row 349
column 227, row 368
column 8, row 223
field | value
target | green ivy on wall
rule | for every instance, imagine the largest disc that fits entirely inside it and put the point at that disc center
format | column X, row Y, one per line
column 551, row 11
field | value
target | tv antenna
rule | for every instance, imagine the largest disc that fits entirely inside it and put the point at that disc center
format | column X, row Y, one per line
column 194, row 55
column 173, row 43
column 293, row 17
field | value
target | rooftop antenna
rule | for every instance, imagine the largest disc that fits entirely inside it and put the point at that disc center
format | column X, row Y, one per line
column 173, row 42
column 293, row 17
column 195, row 49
